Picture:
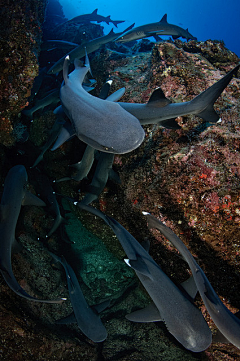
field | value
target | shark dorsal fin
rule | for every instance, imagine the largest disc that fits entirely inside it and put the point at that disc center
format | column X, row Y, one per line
column 111, row 32
column 158, row 98
column 164, row 19
column 95, row 12
column 31, row 199
column 190, row 287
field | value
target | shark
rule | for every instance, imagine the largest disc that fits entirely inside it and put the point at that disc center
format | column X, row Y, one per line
column 50, row 45
column 15, row 195
column 94, row 16
column 227, row 323
column 170, row 305
column 160, row 28
column 102, row 124
column 160, row 110
column 86, row 317
column 100, row 177
column 89, row 47
column 52, row 98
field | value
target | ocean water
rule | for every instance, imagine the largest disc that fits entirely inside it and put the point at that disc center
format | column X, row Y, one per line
column 205, row 19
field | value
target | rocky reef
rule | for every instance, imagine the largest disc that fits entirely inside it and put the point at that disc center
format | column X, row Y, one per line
column 188, row 177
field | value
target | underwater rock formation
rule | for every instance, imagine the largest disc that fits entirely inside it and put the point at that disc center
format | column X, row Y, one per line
column 189, row 177
column 20, row 34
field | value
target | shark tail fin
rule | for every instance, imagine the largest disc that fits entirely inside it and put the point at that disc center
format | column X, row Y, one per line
column 206, row 99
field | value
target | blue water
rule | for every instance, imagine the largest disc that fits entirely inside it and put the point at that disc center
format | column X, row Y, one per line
column 205, row 19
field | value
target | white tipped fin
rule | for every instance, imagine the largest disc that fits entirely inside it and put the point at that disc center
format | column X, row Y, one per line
column 65, row 68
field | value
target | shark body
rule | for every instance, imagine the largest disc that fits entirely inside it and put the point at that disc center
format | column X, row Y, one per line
column 160, row 110
column 89, row 47
column 160, row 28
column 87, row 319
column 227, row 323
column 94, row 16
column 14, row 195
column 182, row 319
column 102, row 124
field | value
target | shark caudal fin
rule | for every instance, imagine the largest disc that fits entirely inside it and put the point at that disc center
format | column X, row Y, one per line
column 204, row 101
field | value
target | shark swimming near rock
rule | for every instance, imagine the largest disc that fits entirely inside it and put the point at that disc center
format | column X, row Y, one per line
column 160, row 28
column 170, row 305
column 102, row 124
column 14, row 195
column 160, row 110
column 89, row 47
column 94, row 16
column 227, row 323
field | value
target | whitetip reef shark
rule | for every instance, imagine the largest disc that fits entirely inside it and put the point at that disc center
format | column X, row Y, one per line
column 14, row 195
column 86, row 317
column 160, row 28
column 94, row 16
column 102, row 124
column 227, row 323
column 160, row 110
column 170, row 305
column 90, row 46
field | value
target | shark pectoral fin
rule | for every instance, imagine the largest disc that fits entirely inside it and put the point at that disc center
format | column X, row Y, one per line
column 30, row 199
column 66, row 133
column 147, row 314
column 140, row 266
column 209, row 115
column 175, row 37
column 158, row 99
column 190, row 287
column 101, row 306
column 170, row 124
column 66, row 320
column 114, row 97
